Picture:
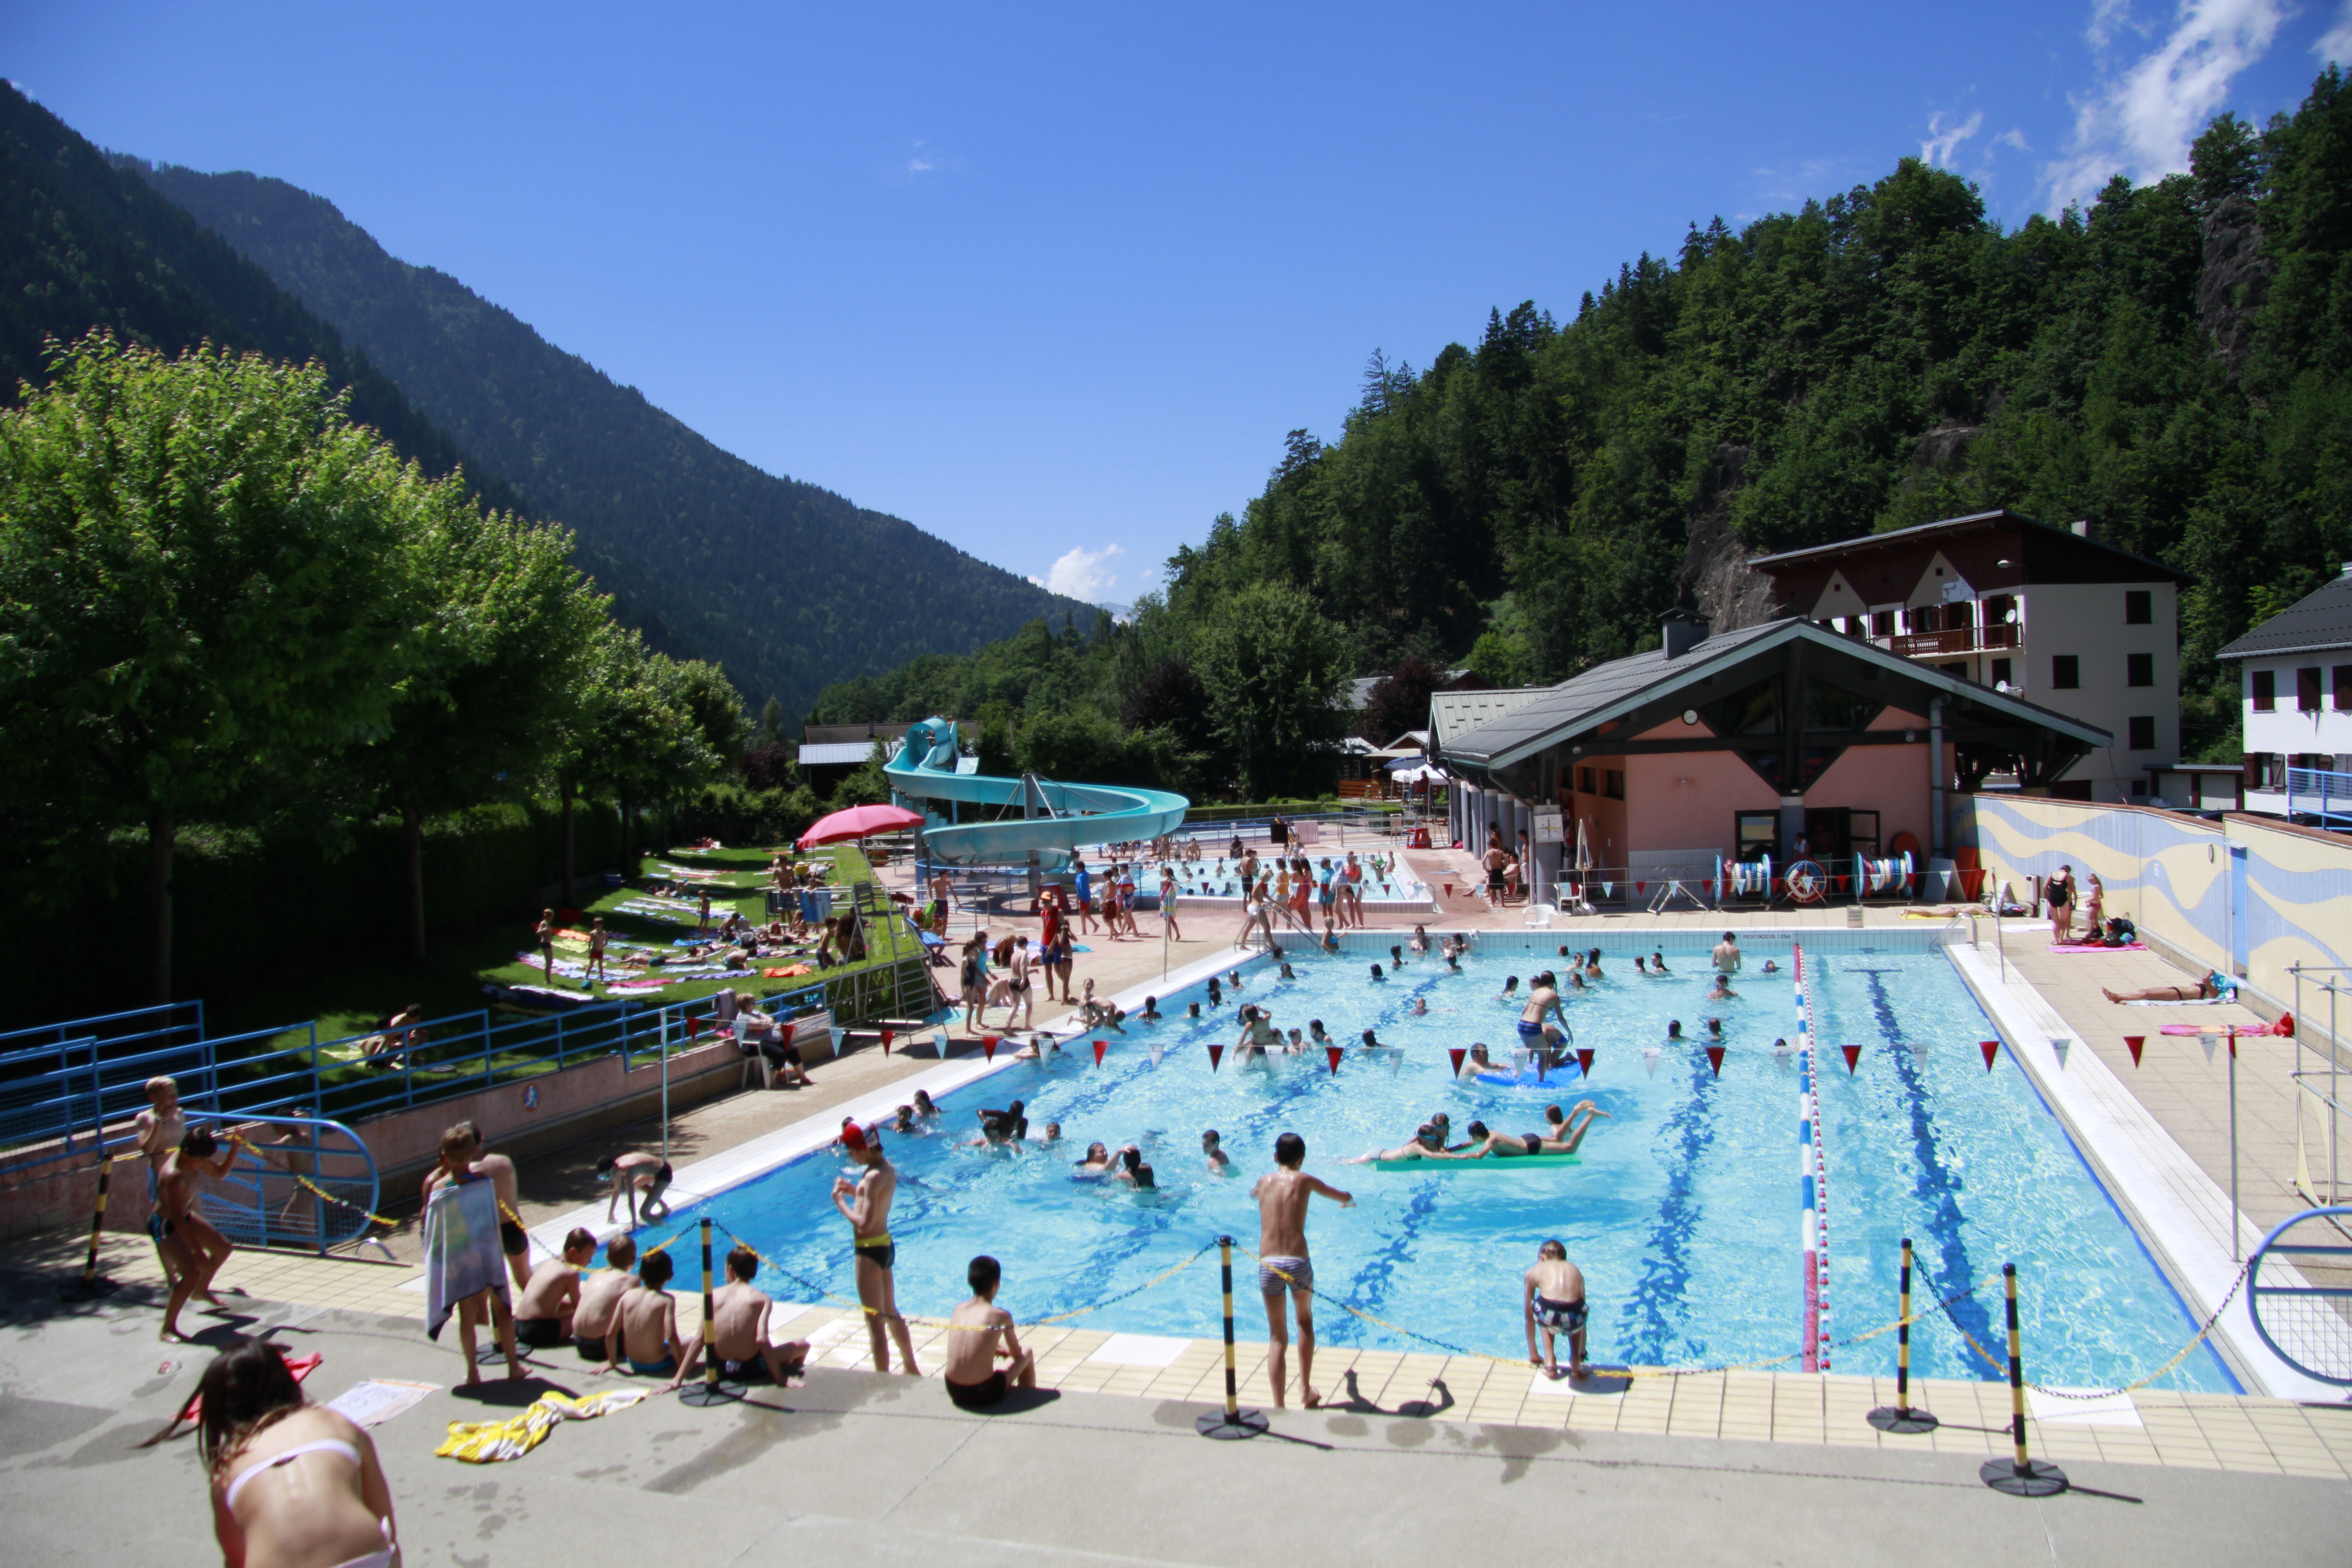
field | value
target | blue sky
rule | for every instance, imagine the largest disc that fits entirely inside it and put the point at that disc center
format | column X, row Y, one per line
column 1053, row 282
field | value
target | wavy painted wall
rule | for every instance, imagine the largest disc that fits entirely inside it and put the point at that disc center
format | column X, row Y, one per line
column 2170, row 874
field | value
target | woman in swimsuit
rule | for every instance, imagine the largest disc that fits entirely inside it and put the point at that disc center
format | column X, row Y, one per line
column 2060, row 891
column 292, row 1483
column 2212, row 988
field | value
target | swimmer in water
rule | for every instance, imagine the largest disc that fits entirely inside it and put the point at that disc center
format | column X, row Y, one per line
column 1420, row 1008
column 1419, row 941
column 1298, row 1043
column 1722, row 991
column 1330, row 942
column 1714, row 1028
column 1641, row 965
column 1377, row 975
column 1286, row 974
column 1675, row 1029
column 1396, row 955
column 1151, row 1013
column 1316, row 1038
column 1232, row 979
column 1191, row 1010
column 1216, row 992
column 1510, row 990
column 1213, row 1149
column 1770, row 967
column 1657, row 963
column 1372, row 1042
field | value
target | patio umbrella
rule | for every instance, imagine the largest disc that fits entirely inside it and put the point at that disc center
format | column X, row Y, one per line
column 1412, row 770
column 858, row 822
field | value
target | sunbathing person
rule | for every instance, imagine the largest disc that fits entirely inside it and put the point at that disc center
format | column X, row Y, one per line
column 739, row 1332
column 2213, row 987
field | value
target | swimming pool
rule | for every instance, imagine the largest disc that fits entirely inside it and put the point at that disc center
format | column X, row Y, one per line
column 1684, row 1214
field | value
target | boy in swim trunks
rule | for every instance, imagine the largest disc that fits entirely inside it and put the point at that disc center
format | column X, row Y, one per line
column 631, row 1174
column 159, row 1130
column 598, row 1307
column 980, row 1332
column 646, row 1327
column 865, row 1203
column 1542, row 1036
column 1554, row 1302
column 739, row 1335
column 542, row 1314
column 1282, row 1193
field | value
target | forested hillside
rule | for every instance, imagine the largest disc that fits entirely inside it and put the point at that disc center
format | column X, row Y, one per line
column 786, row 584
column 83, row 245
column 2174, row 363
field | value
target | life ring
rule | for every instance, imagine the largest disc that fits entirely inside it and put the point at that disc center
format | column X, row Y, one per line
column 1806, row 882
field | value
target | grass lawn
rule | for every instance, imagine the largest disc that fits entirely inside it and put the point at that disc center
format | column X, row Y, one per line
column 350, row 999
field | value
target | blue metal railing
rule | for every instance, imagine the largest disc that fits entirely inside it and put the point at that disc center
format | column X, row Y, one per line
column 263, row 1201
column 2319, row 792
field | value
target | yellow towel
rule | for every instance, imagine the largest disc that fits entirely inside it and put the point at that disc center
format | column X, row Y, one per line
column 487, row 1442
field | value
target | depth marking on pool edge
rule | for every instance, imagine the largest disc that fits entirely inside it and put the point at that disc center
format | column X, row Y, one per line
column 1814, row 1177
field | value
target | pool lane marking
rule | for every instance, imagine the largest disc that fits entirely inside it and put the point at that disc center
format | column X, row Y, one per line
column 1666, row 1270
column 1813, row 1177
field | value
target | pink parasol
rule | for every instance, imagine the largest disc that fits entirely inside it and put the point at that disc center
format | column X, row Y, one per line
column 858, row 822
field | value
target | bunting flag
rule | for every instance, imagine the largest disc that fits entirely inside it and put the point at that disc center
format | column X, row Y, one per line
column 1650, row 1060
column 2136, row 1043
column 693, row 1029
column 1100, row 1046
column 1783, row 1058
column 1157, row 1049
column 2206, row 1040
column 1919, row 1051
column 1584, row 1059
column 1216, row 1055
column 1334, row 1053
column 1457, row 1053
column 2059, row 1047
column 1640, row 889
column 887, row 1037
column 1852, row 1055
column 1990, row 1048
column 988, row 1048
column 1715, row 1060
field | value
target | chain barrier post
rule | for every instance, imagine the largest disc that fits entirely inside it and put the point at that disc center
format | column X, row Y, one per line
column 1900, row 1416
column 710, row 1391
column 89, row 1287
column 1232, row 1422
column 2020, row 1475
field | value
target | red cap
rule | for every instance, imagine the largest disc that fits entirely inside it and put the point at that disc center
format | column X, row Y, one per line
column 853, row 1138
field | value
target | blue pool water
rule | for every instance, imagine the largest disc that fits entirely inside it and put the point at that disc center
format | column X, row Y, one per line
column 1684, row 1215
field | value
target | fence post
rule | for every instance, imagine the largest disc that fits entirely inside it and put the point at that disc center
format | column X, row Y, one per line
column 2019, row 1475
column 710, row 1391
column 1232, row 1422
column 1900, row 1416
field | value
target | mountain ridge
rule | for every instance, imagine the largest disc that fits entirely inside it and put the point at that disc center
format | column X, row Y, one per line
column 786, row 584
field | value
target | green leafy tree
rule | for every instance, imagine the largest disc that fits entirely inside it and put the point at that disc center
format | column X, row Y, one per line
column 1270, row 662
column 199, row 591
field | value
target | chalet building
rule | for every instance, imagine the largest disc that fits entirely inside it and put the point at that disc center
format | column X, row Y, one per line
column 2050, row 614
column 2297, row 675
column 1783, row 738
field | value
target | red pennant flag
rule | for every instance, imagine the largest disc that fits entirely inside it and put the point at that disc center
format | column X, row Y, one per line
column 1852, row 1055
column 1334, row 1053
column 988, row 1048
column 1457, row 1053
column 1990, row 1048
column 1216, row 1054
column 2138, row 1043
column 1715, row 1059
column 1641, row 888
column 694, row 1028
column 1100, row 1046
column 1584, row 1059
column 886, row 1035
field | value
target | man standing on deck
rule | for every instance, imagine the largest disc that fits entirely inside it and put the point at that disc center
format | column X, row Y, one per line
column 865, row 1205
column 1282, row 1193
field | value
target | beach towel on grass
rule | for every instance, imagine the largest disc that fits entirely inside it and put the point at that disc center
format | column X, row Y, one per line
column 461, row 1249
column 487, row 1442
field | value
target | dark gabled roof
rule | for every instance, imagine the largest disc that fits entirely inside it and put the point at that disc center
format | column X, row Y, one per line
column 1621, row 685
column 1923, row 530
column 2314, row 623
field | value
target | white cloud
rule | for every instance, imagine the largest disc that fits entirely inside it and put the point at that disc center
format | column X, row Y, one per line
column 2015, row 136
column 1079, row 574
column 2335, row 46
column 1943, row 140
column 2143, row 113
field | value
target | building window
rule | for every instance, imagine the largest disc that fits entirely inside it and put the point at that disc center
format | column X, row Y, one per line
column 2265, row 682
column 1882, row 624
column 2139, row 607
column 2306, row 689
column 2143, row 733
column 2000, row 667
column 1584, row 780
column 2139, row 670
column 2140, row 788
column 2344, row 689
column 2066, row 672
column 1616, row 790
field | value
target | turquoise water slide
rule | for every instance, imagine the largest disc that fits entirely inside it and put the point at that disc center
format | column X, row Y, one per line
column 1029, row 816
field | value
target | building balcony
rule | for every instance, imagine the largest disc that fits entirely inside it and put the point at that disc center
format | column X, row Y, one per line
column 1955, row 639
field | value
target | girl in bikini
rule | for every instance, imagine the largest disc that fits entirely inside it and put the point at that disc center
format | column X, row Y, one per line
column 291, row 1482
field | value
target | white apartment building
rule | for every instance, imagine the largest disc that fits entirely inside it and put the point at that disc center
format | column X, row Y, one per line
column 2048, row 614
column 2296, row 686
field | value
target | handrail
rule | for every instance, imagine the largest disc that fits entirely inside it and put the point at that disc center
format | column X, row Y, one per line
column 313, row 1198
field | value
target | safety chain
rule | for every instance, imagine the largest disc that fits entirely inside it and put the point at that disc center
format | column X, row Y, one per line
column 2001, row 1364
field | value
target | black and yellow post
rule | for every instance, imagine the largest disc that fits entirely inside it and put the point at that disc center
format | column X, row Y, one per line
column 1900, row 1416
column 89, row 1285
column 2019, row 1475
column 1232, row 1422
column 710, row 1391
